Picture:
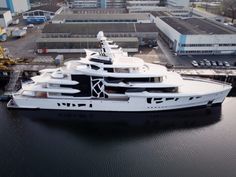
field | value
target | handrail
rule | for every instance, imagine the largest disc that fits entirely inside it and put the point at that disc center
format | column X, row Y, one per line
column 207, row 79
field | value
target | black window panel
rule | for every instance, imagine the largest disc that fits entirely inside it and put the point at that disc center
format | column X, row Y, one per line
column 84, row 86
column 111, row 79
column 110, row 70
column 165, row 90
column 95, row 67
column 169, row 99
column 149, row 100
column 118, row 90
column 80, row 105
column 155, row 99
column 135, row 90
column 122, row 90
column 101, row 61
column 67, row 94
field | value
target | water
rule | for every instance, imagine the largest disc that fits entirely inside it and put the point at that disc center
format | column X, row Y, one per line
column 58, row 143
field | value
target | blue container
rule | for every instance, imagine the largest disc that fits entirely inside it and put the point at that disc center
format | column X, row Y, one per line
column 36, row 20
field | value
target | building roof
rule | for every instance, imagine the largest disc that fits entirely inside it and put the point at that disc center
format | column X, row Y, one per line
column 99, row 11
column 190, row 26
column 118, row 39
column 50, row 8
column 145, row 27
column 119, row 16
column 93, row 29
column 160, row 13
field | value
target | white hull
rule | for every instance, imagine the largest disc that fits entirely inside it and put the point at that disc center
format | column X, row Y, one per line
column 134, row 104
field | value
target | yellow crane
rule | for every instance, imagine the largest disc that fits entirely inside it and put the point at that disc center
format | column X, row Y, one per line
column 5, row 61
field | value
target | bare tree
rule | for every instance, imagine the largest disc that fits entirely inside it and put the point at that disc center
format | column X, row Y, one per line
column 229, row 7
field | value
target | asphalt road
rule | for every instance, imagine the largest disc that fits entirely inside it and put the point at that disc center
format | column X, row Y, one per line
column 185, row 60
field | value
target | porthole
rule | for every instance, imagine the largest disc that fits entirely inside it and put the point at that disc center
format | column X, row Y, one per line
column 79, row 105
column 169, row 99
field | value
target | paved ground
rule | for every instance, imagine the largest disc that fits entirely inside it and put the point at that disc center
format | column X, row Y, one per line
column 25, row 48
column 187, row 59
column 147, row 54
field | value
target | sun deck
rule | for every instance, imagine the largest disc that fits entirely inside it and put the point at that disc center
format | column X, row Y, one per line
column 202, row 86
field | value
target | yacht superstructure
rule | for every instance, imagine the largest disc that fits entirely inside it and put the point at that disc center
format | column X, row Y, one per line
column 110, row 80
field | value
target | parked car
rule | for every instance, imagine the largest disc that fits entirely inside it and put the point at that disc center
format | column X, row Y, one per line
column 19, row 33
column 220, row 63
column 30, row 25
column 194, row 63
column 226, row 64
column 213, row 63
column 201, row 63
column 208, row 64
column 169, row 66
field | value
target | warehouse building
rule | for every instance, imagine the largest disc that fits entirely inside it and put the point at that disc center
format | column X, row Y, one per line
column 5, row 18
column 83, row 3
column 102, row 18
column 41, row 14
column 97, row 3
column 77, row 45
column 74, row 38
column 144, row 5
column 15, row 6
column 178, row 3
column 99, row 11
column 197, row 36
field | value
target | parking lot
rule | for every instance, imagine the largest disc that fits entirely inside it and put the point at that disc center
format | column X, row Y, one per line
column 186, row 60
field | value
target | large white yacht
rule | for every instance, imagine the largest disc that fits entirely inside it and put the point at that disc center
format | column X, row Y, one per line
column 110, row 80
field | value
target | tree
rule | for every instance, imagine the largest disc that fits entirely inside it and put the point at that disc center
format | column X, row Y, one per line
column 229, row 7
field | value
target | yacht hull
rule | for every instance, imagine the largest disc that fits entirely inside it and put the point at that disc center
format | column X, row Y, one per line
column 133, row 104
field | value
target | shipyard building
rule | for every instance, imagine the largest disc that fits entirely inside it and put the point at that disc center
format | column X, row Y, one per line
column 15, row 6
column 197, row 36
column 144, row 5
column 74, row 38
column 41, row 14
column 97, row 3
column 102, row 18
column 178, row 3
